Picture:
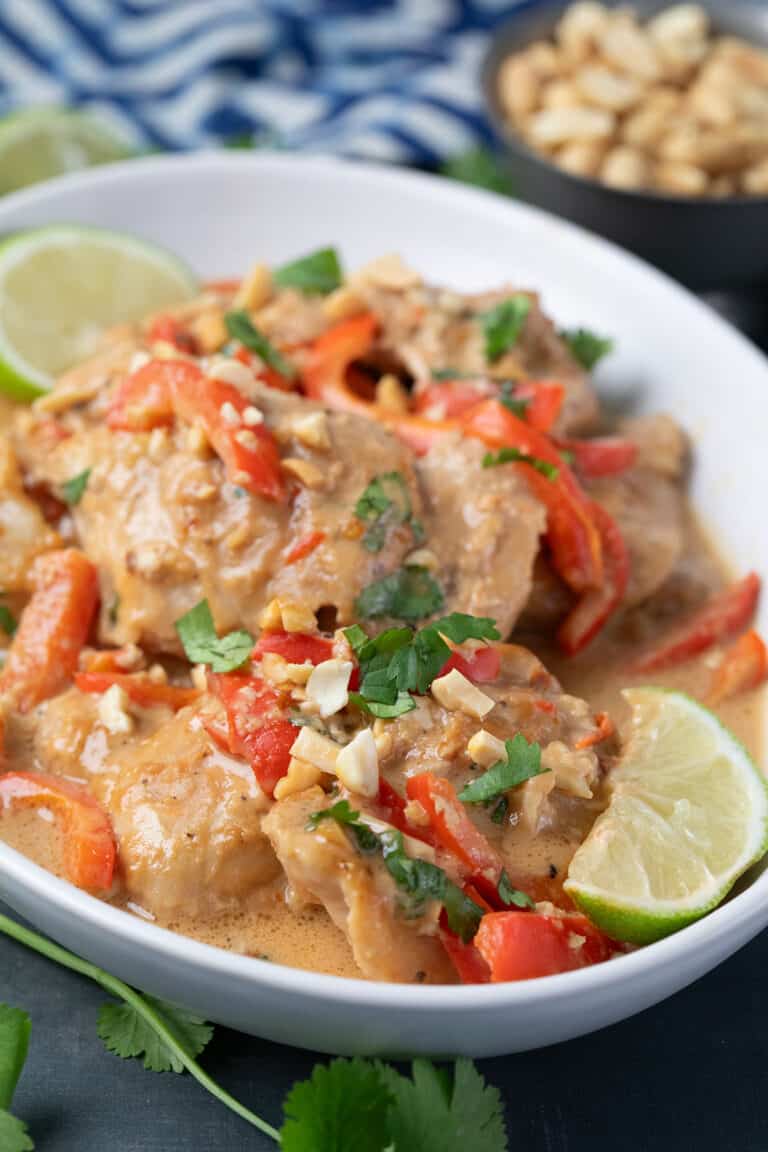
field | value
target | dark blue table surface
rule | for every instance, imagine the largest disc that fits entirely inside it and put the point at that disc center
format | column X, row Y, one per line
column 691, row 1073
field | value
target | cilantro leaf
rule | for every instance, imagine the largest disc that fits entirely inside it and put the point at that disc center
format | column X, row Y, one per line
column 514, row 455
column 13, row 1134
column 408, row 594
column 343, row 1106
column 479, row 167
column 522, row 763
column 240, row 327
column 503, row 324
column 15, row 1027
column 72, row 490
column 341, row 812
column 203, row 646
column 384, row 503
column 127, row 1034
column 383, row 709
column 516, row 405
column 442, row 374
column 585, row 346
column 315, row 274
column 460, row 626
column 7, row 620
column 430, row 1113
column 510, row 895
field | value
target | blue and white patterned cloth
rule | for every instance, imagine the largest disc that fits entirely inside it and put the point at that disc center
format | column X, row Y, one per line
column 394, row 80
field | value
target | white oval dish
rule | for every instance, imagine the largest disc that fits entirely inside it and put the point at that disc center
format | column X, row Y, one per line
column 221, row 212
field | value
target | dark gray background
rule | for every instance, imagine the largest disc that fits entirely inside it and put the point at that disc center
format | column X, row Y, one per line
column 690, row 1073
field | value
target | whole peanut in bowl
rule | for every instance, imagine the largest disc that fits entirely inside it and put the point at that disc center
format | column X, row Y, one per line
column 647, row 123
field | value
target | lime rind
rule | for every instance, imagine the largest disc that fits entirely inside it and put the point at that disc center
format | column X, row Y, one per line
column 155, row 279
column 39, row 143
column 669, row 798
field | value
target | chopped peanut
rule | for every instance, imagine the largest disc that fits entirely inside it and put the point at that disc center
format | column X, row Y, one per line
column 304, row 471
column 458, row 694
column 255, row 290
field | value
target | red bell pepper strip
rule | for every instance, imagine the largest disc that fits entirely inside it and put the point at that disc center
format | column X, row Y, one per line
column 249, row 452
column 595, row 607
column 325, row 370
column 172, row 331
column 257, row 727
column 144, row 400
column 53, row 628
column 466, row 959
column 452, row 825
column 544, row 402
column 138, row 688
column 603, row 456
column 744, row 666
column 481, row 667
column 448, row 399
column 295, row 647
column 604, row 729
column 89, row 846
column 727, row 613
column 524, row 945
column 573, row 535
column 392, row 809
column 304, row 547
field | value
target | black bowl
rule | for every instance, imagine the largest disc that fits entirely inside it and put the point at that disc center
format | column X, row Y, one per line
column 708, row 244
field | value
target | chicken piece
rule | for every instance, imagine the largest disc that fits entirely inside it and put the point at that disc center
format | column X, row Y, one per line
column 323, row 867
column 430, row 328
column 484, row 527
column 165, row 529
column 24, row 533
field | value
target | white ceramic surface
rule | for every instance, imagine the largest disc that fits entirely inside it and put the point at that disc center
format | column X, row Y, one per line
column 223, row 212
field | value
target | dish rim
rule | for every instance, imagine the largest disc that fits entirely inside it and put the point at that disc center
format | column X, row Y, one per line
column 18, row 870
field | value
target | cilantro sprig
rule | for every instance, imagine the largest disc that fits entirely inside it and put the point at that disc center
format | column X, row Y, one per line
column 8, row 622
column 515, row 456
column 315, row 275
column 503, row 324
column 346, row 1104
column 410, row 593
column 241, row 327
column 586, row 347
column 400, row 661
column 522, row 763
column 72, row 490
column 383, row 504
column 203, row 646
column 418, row 881
column 15, row 1027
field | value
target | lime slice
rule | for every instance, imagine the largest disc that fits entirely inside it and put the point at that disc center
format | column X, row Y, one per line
column 688, row 814
column 61, row 287
column 44, row 142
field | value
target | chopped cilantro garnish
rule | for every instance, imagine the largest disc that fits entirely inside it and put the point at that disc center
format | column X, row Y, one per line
column 72, row 490
column 203, row 646
column 409, row 594
column 503, row 324
column 417, row 880
column 315, row 274
column 510, row 895
column 240, row 327
column 8, row 622
column 515, row 456
column 114, row 610
column 442, row 374
column 586, row 347
column 499, row 809
column 522, row 763
column 385, row 502
column 400, row 661
column 516, row 406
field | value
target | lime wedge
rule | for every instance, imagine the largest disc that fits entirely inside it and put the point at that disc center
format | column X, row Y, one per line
column 688, row 814
column 44, row 142
column 61, row 287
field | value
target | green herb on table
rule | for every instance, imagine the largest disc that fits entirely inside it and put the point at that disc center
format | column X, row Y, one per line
column 418, row 881
column 481, row 168
column 8, row 623
column 15, row 1028
column 411, row 593
column 384, row 504
column 203, row 646
column 503, row 324
column 400, row 661
column 586, row 347
column 348, row 1105
column 515, row 456
column 523, row 762
column 316, row 274
column 241, row 327
column 72, row 490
